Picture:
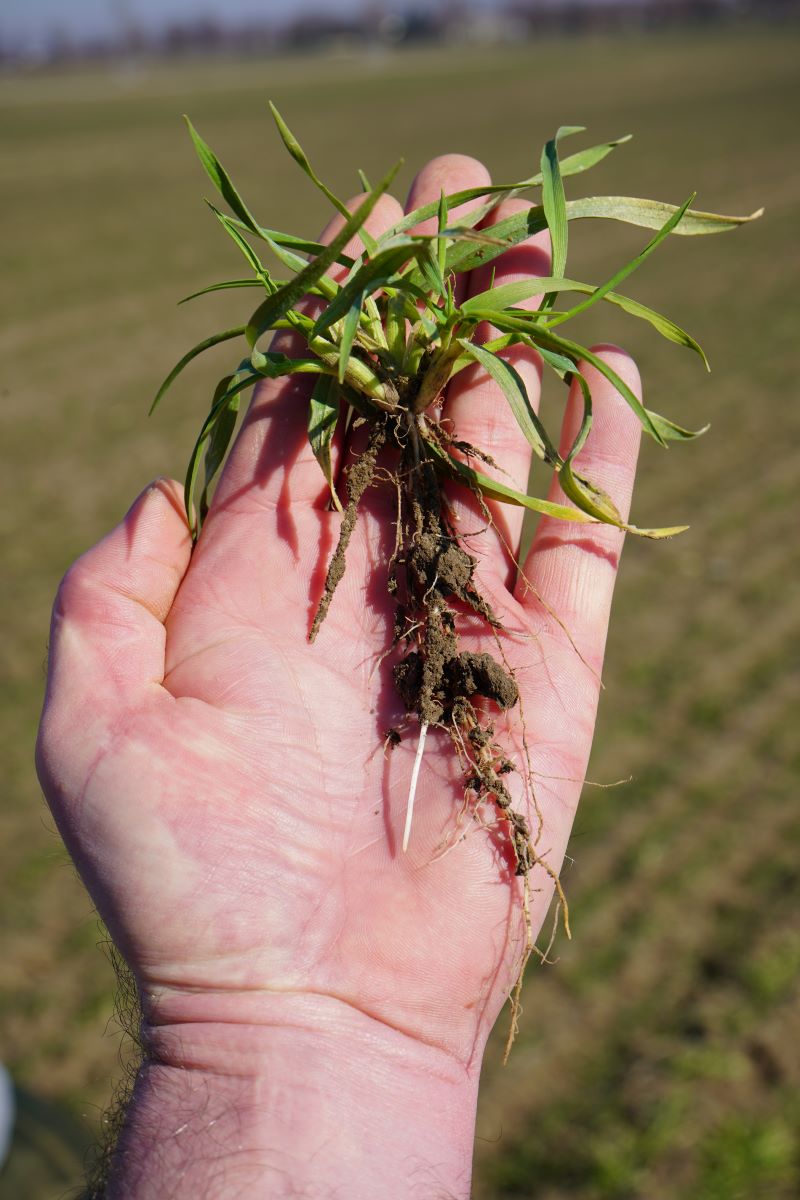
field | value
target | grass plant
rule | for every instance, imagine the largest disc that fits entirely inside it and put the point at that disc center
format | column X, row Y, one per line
column 382, row 343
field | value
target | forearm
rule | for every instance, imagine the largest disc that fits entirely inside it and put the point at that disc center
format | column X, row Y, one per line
column 349, row 1108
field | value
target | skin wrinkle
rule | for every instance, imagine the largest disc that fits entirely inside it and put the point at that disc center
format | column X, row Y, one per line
column 577, row 597
column 150, row 1027
column 192, row 656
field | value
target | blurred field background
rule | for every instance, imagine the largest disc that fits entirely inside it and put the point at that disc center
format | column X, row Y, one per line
column 659, row 1057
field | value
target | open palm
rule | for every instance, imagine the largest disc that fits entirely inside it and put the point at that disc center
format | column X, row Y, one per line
column 225, row 786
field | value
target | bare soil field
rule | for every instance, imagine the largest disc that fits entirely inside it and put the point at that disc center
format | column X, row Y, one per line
column 658, row 1057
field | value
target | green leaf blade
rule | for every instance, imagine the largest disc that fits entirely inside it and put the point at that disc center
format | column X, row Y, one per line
column 506, row 296
column 301, row 158
column 215, row 339
column 554, row 201
column 223, row 286
column 284, row 298
column 241, row 243
column 220, row 178
column 218, row 444
column 651, row 214
column 349, row 331
column 599, row 292
column 374, row 274
column 515, row 392
column 584, row 160
column 323, row 415
column 646, row 214
column 671, row 432
column 575, row 350
column 666, row 327
column 491, row 489
column 573, row 164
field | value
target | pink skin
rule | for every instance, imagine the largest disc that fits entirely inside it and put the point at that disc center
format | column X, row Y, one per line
column 223, row 786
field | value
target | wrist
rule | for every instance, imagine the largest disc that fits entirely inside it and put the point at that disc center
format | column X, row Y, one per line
column 322, row 1101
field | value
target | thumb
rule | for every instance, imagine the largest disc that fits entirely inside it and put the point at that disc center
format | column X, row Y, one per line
column 107, row 636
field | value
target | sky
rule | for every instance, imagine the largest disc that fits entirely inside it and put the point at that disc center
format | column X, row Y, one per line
column 33, row 20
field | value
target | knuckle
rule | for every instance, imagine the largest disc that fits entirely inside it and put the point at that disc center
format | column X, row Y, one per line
column 73, row 590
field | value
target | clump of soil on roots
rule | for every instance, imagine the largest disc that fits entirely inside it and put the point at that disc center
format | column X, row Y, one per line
column 431, row 578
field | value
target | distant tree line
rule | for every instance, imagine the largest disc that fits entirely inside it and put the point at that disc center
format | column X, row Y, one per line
column 385, row 24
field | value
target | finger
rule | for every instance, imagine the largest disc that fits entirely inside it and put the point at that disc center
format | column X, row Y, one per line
column 479, row 413
column 572, row 567
column 107, row 636
column 272, row 463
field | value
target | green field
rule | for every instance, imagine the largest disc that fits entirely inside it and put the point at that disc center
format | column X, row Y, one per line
column 658, row 1058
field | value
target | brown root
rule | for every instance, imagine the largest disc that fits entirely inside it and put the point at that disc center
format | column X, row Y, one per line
column 359, row 477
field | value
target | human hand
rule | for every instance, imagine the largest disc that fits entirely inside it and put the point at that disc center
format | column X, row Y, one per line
column 225, row 792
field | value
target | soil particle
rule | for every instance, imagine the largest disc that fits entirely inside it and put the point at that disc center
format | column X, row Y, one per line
column 422, row 677
column 441, row 647
column 463, row 714
column 435, row 683
column 455, row 568
column 500, row 792
column 408, row 679
column 401, row 623
column 480, row 673
column 435, row 563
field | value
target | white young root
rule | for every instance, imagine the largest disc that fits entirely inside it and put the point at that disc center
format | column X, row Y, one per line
column 412, row 790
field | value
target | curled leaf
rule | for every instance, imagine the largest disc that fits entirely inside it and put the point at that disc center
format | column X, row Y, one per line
column 589, row 497
column 492, row 490
column 656, row 534
column 575, row 350
column 671, row 432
